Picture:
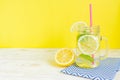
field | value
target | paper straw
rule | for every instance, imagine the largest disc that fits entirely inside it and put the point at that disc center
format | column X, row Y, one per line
column 90, row 6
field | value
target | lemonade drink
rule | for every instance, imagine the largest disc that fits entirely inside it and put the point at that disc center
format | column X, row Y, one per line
column 88, row 45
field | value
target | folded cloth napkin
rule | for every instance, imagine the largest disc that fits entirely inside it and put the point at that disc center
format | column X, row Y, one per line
column 105, row 71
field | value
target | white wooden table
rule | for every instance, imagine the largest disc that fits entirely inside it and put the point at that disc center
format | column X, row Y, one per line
column 35, row 64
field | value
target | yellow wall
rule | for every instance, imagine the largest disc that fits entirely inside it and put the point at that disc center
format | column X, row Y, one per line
column 46, row 23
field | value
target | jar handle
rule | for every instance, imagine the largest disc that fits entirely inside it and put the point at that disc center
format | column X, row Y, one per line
column 104, row 54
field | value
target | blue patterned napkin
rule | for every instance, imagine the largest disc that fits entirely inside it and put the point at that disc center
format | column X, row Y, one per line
column 106, row 70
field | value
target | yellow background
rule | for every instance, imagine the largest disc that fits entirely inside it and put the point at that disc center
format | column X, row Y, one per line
column 46, row 23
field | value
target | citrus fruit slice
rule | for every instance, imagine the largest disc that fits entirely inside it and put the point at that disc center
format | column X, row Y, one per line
column 88, row 44
column 65, row 57
column 86, row 57
column 84, row 61
column 77, row 26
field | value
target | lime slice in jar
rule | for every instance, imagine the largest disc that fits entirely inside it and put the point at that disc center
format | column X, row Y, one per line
column 88, row 44
column 86, row 57
column 85, row 61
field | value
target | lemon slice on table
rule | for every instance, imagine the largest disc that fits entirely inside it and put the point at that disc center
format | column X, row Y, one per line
column 65, row 57
column 88, row 44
